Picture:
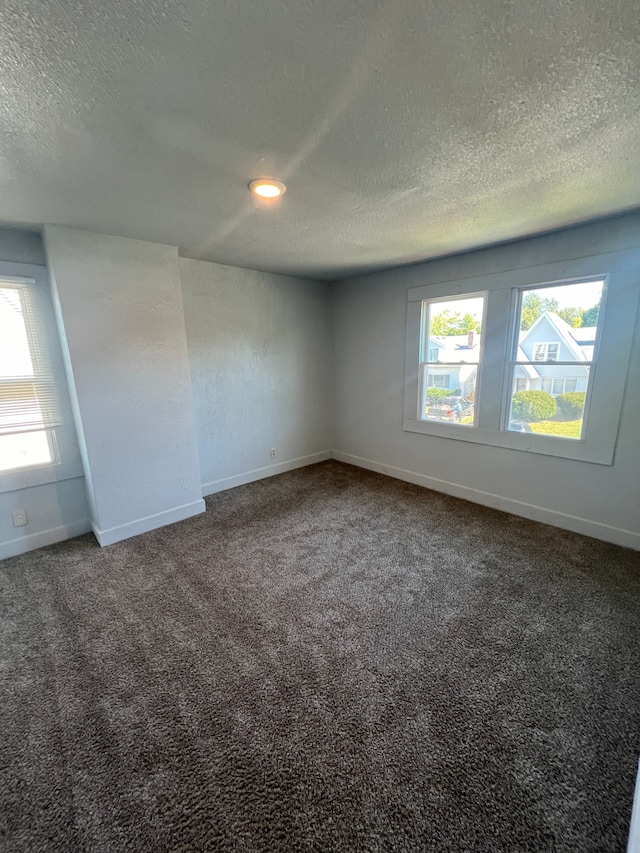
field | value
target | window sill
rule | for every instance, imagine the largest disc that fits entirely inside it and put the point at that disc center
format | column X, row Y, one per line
column 26, row 478
column 598, row 453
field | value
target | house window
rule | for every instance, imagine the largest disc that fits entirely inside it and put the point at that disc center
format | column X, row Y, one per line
column 546, row 352
column 555, row 386
column 543, row 314
column 550, row 374
column 449, row 397
column 29, row 411
column 435, row 380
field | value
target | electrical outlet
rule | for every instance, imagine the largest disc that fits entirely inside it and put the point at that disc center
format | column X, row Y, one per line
column 273, row 453
column 20, row 518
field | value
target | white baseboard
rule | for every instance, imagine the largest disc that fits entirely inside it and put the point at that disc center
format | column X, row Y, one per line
column 260, row 473
column 617, row 535
column 150, row 522
column 633, row 845
column 44, row 537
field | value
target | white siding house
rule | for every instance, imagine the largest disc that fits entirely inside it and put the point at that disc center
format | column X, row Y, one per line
column 550, row 339
column 453, row 361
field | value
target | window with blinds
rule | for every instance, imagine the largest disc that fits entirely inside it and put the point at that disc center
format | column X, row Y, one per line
column 29, row 410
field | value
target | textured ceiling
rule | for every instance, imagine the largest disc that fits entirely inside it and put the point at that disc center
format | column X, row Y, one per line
column 404, row 129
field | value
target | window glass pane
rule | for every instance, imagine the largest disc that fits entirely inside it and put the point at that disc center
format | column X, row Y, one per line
column 28, row 399
column 15, row 353
column 556, row 323
column 553, row 404
column 450, row 397
column 560, row 314
column 453, row 331
column 24, row 449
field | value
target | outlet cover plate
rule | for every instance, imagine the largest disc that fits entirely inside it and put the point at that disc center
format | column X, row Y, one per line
column 20, row 518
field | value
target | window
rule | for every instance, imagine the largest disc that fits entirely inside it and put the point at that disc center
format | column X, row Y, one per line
column 554, row 386
column 28, row 401
column 546, row 352
column 543, row 313
column 544, row 366
column 438, row 381
column 448, row 397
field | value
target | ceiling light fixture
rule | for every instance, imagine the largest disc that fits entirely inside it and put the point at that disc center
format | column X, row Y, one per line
column 266, row 188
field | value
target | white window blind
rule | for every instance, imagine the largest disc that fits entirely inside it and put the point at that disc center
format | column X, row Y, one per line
column 28, row 399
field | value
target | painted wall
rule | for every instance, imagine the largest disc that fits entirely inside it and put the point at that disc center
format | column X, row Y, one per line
column 259, row 351
column 55, row 510
column 369, row 327
column 24, row 247
column 122, row 324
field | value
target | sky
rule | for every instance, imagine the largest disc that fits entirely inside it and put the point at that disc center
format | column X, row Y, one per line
column 586, row 294
column 472, row 306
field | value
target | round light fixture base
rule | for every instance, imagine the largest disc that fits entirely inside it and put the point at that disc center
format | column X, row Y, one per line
column 267, row 188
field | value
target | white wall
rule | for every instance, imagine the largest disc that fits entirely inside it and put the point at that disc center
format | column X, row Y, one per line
column 369, row 326
column 259, row 352
column 56, row 510
column 24, row 247
column 122, row 324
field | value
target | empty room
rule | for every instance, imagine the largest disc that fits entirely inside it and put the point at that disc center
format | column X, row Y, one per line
column 319, row 426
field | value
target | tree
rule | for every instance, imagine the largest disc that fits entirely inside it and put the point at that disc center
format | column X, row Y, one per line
column 446, row 323
column 532, row 307
column 434, row 394
column 590, row 316
column 572, row 316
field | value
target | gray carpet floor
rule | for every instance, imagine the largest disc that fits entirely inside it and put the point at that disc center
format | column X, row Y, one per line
column 327, row 660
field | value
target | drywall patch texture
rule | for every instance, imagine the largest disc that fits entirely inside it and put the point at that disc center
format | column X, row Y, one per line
column 403, row 130
column 259, row 352
column 121, row 309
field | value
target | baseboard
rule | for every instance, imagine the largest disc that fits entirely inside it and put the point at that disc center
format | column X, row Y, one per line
column 616, row 535
column 150, row 522
column 44, row 537
column 633, row 845
column 260, row 473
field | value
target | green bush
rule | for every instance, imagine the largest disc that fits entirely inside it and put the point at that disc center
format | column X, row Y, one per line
column 533, row 406
column 437, row 393
column 570, row 406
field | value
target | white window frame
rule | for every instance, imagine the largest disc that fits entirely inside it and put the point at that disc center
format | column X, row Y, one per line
column 63, row 441
column 545, row 351
column 619, row 271
column 426, row 364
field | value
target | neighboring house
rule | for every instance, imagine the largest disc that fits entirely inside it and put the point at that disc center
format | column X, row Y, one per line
column 551, row 339
column 453, row 359
column 459, row 356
